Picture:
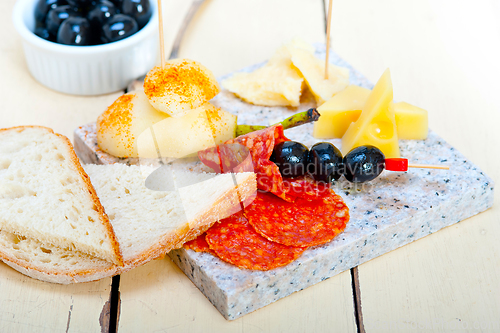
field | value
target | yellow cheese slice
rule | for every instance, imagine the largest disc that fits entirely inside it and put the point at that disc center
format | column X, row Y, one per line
column 345, row 108
column 376, row 125
column 411, row 121
column 339, row 112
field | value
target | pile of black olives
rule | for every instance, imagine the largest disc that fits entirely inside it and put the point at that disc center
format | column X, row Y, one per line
column 90, row 22
column 324, row 162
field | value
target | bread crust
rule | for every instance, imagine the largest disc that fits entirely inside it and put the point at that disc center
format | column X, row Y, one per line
column 100, row 209
column 221, row 207
column 75, row 162
column 54, row 276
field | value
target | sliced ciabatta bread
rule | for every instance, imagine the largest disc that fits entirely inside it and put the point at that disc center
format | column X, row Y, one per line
column 150, row 223
column 50, row 263
column 147, row 223
column 46, row 195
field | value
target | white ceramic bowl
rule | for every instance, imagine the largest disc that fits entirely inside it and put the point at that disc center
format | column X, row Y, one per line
column 86, row 70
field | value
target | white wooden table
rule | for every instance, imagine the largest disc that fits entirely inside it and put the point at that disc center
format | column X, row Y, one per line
column 444, row 56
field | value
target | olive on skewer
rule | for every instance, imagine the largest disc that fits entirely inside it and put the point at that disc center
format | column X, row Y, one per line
column 292, row 158
column 363, row 164
column 325, row 163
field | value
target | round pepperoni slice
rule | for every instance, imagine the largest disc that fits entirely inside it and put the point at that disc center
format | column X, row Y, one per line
column 300, row 223
column 199, row 244
column 305, row 187
column 235, row 241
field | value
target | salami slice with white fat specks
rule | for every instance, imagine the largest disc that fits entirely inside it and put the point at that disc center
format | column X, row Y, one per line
column 299, row 223
column 305, row 187
column 199, row 244
column 235, row 241
column 260, row 145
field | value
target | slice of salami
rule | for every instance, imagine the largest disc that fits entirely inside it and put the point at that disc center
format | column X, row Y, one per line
column 235, row 241
column 301, row 223
column 305, row 187
column 227, row 157
column 199, row 244
column 260, row 145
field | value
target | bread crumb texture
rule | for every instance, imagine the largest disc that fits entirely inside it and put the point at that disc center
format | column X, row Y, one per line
column 46, row 195
column 47, row 257
column 148, row 222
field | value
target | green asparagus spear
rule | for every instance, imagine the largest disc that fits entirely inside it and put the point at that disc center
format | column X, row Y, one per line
column 293, row 121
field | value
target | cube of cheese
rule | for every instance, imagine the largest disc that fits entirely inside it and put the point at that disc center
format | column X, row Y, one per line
column 411, row 121
column 376, row 125
column 339, row 112
column 345, row 107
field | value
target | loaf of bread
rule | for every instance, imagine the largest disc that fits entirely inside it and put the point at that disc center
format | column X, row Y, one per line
column 45, row 195
column 147, row 223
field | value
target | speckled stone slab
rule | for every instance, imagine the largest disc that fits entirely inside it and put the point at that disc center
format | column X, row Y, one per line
column 386, row 213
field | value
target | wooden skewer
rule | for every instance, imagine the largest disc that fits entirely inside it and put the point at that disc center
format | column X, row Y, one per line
column 160, row 26
column 328, row 24
column 427, row 166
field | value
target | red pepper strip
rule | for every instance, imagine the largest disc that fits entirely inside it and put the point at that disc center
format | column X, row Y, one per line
column 396, row 164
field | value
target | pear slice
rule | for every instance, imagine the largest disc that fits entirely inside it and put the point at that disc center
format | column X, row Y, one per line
column 180, row 86
column 121, row 124
column 184, row 136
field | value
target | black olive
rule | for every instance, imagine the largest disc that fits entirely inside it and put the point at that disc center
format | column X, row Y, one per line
column 118, row 27
column 99, row 15
column 139, row 10
column 325, row 162
column 81, row 3
column 82, row 7
column 106, row 24
column 363, row 163
column 291, row 158
column 74, row 31
column 43, row 7
column 56, row 16
column 44, row 33
column 118, row 5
